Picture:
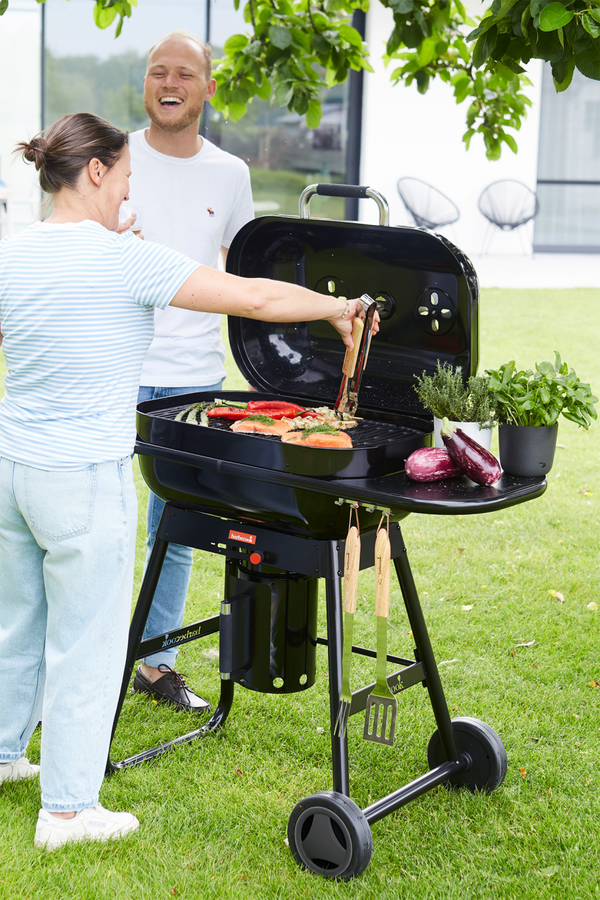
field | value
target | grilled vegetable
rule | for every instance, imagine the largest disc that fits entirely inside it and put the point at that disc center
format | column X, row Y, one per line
column 295, row 410
column 229, row 412
column 431, row 464
column 476, row 462
column 230, row 403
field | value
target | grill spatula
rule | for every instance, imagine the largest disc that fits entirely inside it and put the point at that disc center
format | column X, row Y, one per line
column 380, row 714
column 351, row 570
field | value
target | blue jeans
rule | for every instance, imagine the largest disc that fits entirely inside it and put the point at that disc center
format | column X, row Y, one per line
column 67, row 551
column 168, row 607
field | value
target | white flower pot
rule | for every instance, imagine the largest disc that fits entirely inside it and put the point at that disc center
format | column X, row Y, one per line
column 483, row 436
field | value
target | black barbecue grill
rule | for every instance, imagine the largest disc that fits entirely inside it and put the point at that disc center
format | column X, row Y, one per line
column 279, row 512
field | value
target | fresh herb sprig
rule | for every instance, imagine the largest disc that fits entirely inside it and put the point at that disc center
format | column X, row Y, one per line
column 446, row 395
column 264, row 420
column 528, row 397
column 323, row 429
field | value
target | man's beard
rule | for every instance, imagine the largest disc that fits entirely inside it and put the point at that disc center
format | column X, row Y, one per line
column 191, row 116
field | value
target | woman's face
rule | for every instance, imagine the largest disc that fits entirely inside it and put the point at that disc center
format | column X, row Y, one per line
column 114, row 189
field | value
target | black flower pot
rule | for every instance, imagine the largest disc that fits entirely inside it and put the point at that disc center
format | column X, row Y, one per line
column 527, row 449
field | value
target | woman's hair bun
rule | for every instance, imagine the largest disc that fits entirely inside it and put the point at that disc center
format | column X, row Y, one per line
column 35, row 151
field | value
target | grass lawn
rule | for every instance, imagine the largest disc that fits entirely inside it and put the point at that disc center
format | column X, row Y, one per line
column 512, row 652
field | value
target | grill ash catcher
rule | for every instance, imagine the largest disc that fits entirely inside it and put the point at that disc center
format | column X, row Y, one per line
column 279, row 513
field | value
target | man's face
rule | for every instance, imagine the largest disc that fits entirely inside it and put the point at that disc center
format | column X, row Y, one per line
column 176, row 85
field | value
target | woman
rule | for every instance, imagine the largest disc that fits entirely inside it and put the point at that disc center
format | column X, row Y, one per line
column 76, row 310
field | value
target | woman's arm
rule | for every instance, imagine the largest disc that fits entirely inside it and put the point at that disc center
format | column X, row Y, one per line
column 209, row 290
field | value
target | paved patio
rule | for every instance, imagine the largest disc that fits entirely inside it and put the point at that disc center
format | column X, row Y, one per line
column 542, row 270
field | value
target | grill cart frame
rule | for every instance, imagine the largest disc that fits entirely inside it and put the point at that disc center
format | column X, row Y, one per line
column 461, row 752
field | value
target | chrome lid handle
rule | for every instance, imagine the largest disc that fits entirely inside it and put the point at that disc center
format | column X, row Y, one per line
column 344, row 190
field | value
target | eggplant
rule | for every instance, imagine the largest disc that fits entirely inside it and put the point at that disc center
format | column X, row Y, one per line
column 431, row 464
column 479, row 464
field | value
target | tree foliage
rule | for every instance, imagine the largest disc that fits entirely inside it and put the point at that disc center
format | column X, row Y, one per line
column 293, row 49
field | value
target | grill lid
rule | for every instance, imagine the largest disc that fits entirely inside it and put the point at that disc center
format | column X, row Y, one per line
column 426, row 290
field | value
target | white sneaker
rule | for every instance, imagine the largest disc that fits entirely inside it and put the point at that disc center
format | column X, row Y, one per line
column 19, row 770
column 92, row 824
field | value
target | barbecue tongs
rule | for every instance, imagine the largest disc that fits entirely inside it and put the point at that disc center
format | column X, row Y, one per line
column 355, row 360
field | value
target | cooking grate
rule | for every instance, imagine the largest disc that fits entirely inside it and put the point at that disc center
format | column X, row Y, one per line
column 369, row 433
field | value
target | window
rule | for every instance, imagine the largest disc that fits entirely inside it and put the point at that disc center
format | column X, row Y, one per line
column 568, row 185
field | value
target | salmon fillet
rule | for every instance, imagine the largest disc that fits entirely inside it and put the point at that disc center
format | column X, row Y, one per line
column 247, row 426
column 341, row 441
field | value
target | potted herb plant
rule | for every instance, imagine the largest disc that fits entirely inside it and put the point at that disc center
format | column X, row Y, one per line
column 529, row 403
column 467, row 404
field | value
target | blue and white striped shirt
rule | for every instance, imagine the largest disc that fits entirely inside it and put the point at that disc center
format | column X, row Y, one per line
column 77, row 314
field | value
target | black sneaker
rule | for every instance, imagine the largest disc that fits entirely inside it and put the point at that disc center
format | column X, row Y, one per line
column 171, row 688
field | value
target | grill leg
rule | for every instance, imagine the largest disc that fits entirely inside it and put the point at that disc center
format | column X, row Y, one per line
column 339, row 745
column 138, row 623
column 425, row 651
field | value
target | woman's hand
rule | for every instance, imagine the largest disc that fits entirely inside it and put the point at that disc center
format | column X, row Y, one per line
column 344, row 324
column 128, row 225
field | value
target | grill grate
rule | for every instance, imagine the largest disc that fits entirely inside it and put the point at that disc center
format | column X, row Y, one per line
column 369, row 433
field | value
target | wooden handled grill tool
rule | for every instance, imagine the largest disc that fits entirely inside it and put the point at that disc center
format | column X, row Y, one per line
column 380, row 714
column 351, row 570
column 355, row 360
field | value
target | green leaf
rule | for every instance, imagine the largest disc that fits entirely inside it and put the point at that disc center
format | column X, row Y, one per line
column 3, row 6
column 595, row 14
column 320, row 45
column 264, row 91
column 588, row 62
column 484, row 47
column 591, row 26
column 236, row 111
column 463, row 50
column 402, row 7
column 562, row 74
column 314, row 114
column 509, row 139
column 104, row 16
column 284, row 92
column 350, row 35
column 426, row 52
column 234, row 43
column 280, row 37
column 467, row 137
column 555, row 16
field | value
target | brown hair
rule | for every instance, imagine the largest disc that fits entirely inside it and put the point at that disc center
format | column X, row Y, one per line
column 186, row 36
column 64, row 150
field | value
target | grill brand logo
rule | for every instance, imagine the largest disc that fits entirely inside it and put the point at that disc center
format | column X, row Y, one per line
column 240, row 536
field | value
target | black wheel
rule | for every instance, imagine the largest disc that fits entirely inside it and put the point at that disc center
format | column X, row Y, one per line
column 485, row 752
column 329, row 835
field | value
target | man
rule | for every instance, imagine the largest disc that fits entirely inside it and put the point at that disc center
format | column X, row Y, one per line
column 194, row 197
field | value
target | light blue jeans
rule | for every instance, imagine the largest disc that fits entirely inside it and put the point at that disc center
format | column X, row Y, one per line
column 168, row 607
column 67, row 550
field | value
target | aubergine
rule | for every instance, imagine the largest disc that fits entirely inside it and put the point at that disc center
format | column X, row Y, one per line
column 431, row 464
column 476, row 462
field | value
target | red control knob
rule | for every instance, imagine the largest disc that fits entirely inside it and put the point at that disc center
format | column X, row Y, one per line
column 256, row 558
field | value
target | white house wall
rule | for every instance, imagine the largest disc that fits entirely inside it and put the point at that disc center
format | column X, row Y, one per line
column 20, row 110
column 405, row 133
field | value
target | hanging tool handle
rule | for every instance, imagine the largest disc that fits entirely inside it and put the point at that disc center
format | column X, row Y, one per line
column 351, row 356
column 351, row 569
column 382, row 573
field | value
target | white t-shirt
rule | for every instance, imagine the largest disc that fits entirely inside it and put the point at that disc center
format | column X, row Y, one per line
column 77, row 314
column 194, row 205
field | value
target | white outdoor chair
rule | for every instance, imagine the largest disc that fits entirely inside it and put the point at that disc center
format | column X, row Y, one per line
column 507, row 205
column 428, row 207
